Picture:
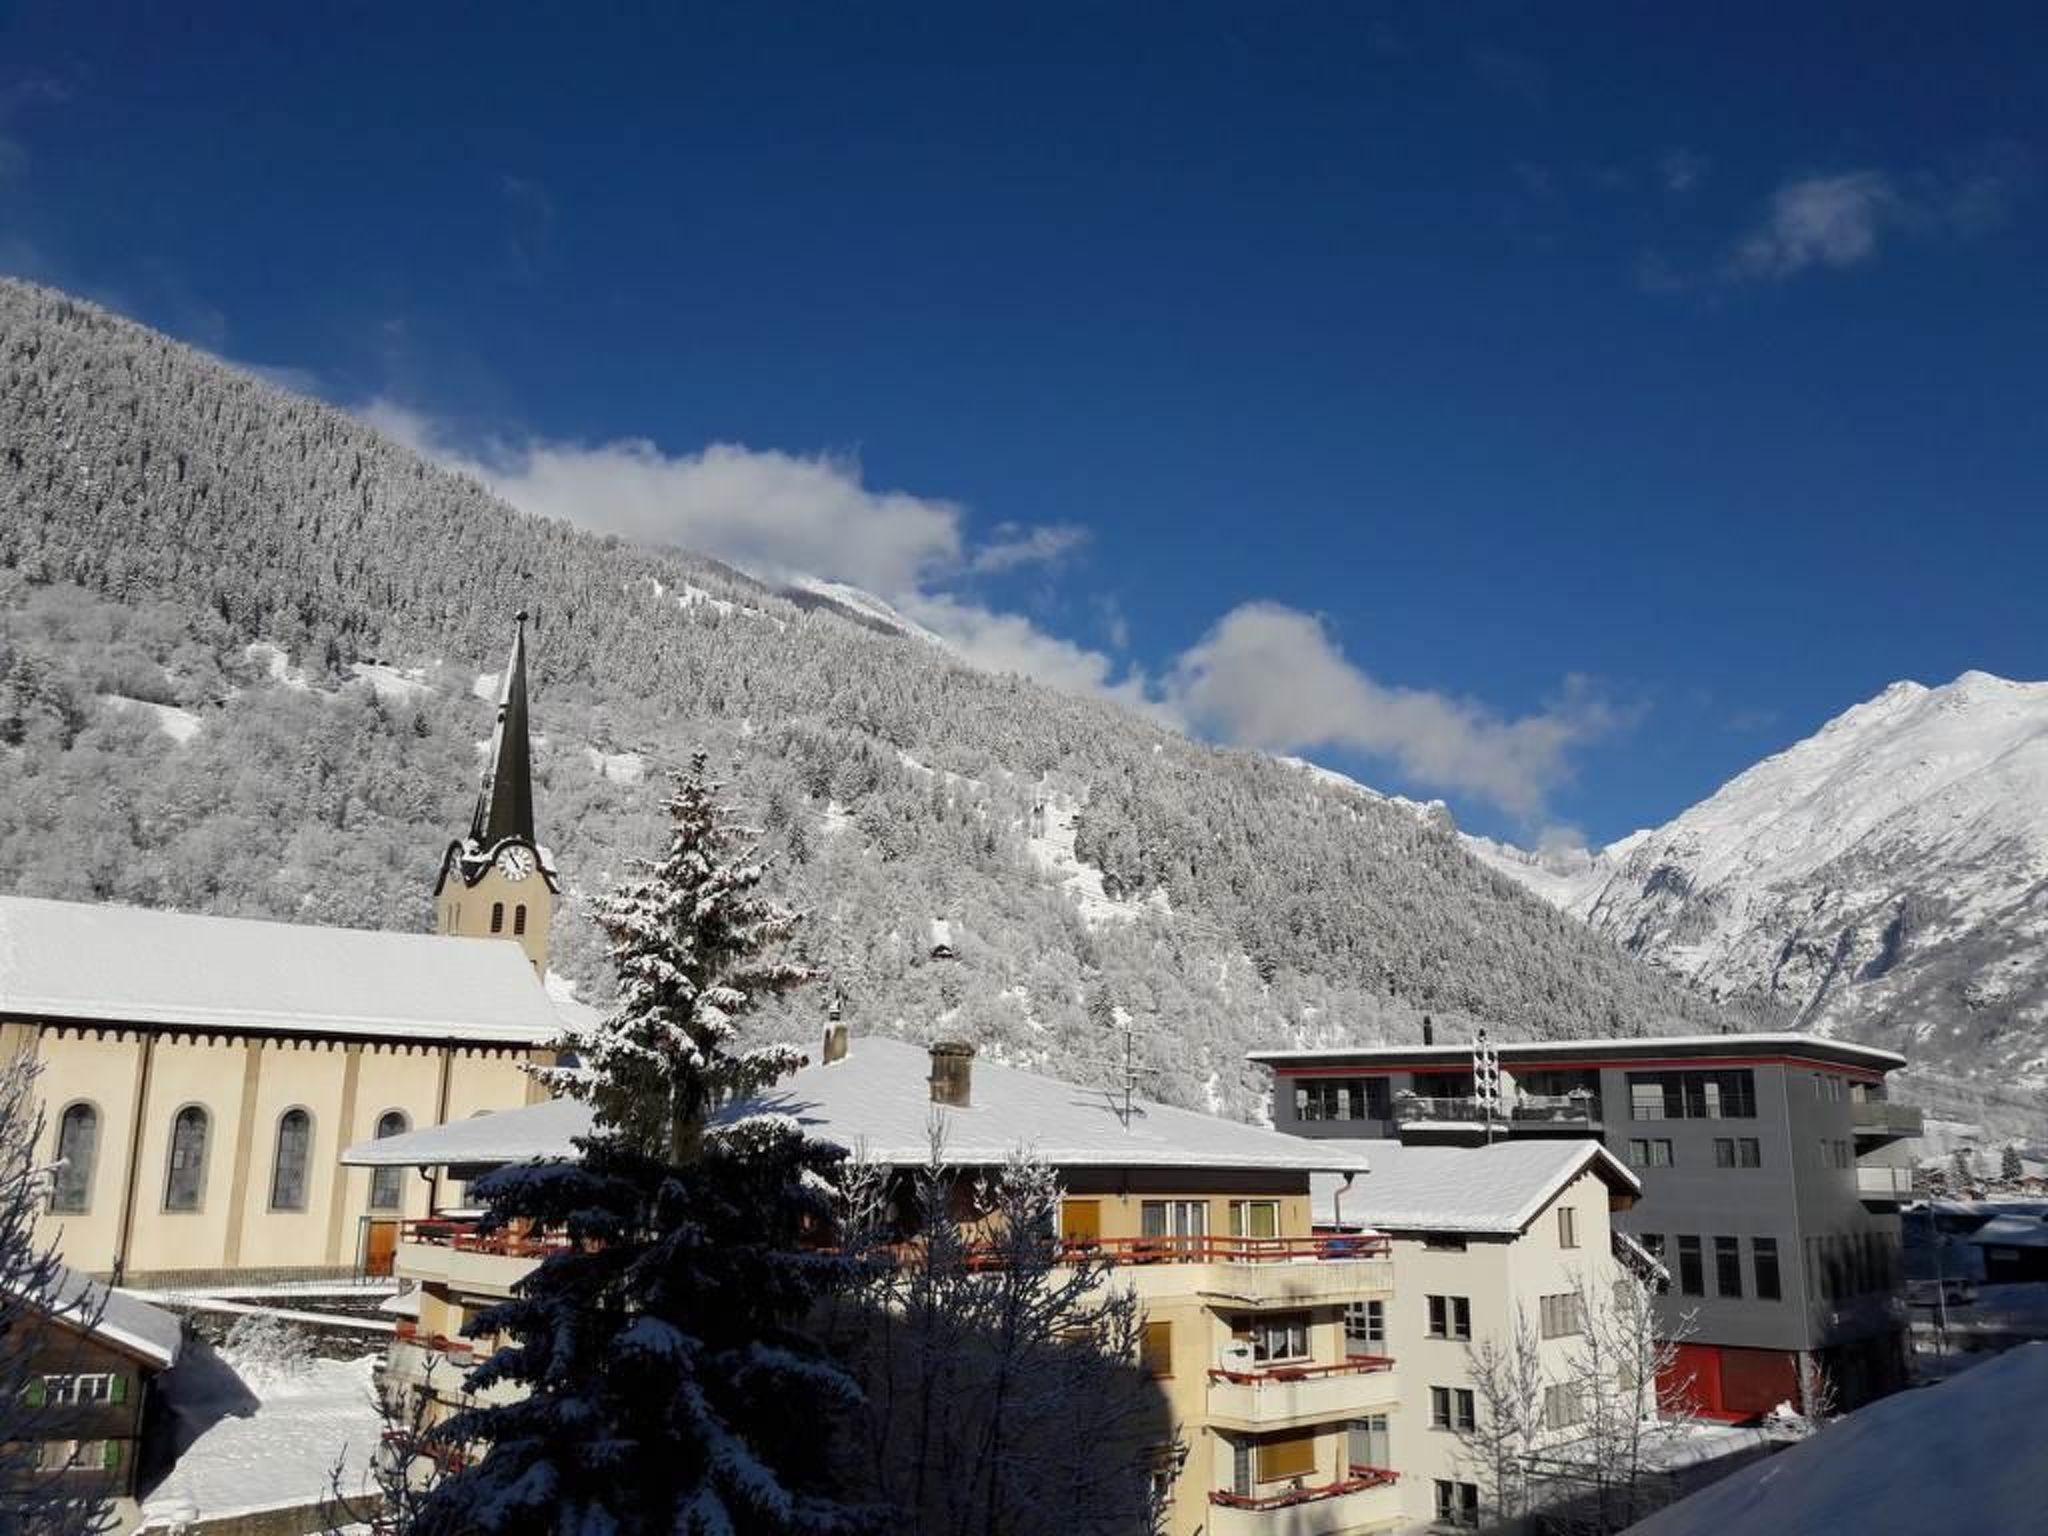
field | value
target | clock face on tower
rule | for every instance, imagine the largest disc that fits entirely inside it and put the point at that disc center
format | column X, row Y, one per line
column 516, row 863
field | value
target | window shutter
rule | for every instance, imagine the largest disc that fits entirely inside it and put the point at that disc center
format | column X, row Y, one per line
column 117, row 1391
column 111, row 1457
column 38, row 1392
column 1157, row 1351
column 1287, row 1456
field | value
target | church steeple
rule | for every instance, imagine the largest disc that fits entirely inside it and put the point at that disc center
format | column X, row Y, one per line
column 504, row 805
column 498, row 883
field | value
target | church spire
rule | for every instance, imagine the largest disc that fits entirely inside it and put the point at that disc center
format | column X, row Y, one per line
column 504, row 805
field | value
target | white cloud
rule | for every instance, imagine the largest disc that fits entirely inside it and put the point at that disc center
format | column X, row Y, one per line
column 1681, row 170
column 1266, row 676
column 1272, row 677
column 1828, row 221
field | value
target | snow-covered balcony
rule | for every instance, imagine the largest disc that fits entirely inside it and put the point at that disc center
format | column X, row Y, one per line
column 1287, row 1396
column 1365, row 1500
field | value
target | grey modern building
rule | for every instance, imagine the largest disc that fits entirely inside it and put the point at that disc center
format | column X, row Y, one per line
column 1773, row 1168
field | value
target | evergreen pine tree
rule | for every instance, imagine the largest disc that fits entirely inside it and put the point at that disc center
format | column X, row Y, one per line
column 2009, row 1169
column 667, row 1384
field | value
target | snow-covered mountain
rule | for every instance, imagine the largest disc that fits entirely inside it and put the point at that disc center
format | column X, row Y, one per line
column 1886, row 878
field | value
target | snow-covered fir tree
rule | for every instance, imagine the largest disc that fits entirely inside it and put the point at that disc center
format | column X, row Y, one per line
column 2010, row 1169
column 666, row 1383
column 696, row 944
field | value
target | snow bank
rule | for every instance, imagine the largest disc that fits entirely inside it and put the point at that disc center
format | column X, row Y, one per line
column 181, row 725
column 1962, row 1456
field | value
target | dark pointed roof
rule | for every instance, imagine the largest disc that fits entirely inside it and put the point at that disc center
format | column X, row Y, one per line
column 504, row 806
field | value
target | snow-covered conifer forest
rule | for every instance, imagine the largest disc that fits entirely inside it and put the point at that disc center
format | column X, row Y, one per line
column 245, row 654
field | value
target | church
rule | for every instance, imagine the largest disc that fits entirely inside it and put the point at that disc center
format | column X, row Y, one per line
column 200, row 1076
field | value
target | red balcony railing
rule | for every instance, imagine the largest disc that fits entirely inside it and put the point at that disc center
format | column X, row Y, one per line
column 465, row 1350
column 466, row 1236
column 1350, row 1365
column 1223, row 1250
column 1359, row 1480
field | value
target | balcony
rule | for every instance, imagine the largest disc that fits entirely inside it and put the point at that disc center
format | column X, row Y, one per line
column 1526, row 1111
column 1882, row 1184
column 1287, row 1396
column 1882, row 1120
column 1363, row 1500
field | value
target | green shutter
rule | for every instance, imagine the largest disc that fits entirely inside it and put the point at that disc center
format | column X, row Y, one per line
column 112, row 1458
column 118, row 1393
column 38, row 1392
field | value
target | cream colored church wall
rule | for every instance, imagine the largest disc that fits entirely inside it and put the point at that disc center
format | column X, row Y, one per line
column 245, row 1085
column 465, row 911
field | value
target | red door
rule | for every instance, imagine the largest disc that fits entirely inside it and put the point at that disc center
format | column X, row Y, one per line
column 1693, row 1380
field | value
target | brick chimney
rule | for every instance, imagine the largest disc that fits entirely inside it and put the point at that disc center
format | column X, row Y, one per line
column 952, row 1076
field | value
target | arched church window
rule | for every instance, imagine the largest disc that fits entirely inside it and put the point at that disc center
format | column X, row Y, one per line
column 186, row 1181
column 294, row 1153
column 497, row 917
column 387, row 1185
column 519, row 920
column 78, row 1146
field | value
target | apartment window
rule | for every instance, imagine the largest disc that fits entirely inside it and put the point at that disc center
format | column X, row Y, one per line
column 1567, row 1227
column 1692, row 1095
column 1255, row 1218
column 1763, row 1257
column 95, row 1387
column 1561, row 1407
column 387, row 1185
column 1241, row 1468
column 1451, row 1408
column 185, row 1180
column 1284, row 1456
column 288, row 1168
column 1457, row 1505
column 1649, row 1152
column 1283, row 1336
column 1343, row 1099
column 1561, row 1316
column 1692, row 1275
column 1728, row 1266
column 1174, row 1218
column 1365, row 1327
column 78, row 1144
column 1369, row 1444
column 1155, row 1353
column 1737, row 1152
column 1450, row 1317
column 497, row 917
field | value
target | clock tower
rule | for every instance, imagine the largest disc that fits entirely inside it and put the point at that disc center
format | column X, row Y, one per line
column 499, row 882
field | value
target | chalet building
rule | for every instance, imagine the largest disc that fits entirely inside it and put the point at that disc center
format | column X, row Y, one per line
column 200, row 1075
column 1772, row 1168
column 1479, row 1235
column 88, row 1364
column 1253, row 1322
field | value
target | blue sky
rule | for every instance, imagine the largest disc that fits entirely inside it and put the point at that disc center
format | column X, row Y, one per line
column 1550, row 408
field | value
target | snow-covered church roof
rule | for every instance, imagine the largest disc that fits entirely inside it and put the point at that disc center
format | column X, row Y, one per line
column 1497, row 1189
column 878, row 1099
column 63, row 960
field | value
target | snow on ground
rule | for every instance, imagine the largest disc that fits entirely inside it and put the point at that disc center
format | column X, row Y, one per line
column 869, row 606
column 620, row 767
column 181, row 725
column 837, row 819
column 258, row 1432
column 1050, row 842
column 1936, row 1461
column 394, row 685
column 274, row 661
column 485, row 687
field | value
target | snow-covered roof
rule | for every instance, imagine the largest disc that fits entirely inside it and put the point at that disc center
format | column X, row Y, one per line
column 1961, row 1456
column 62, row 960
column 2011, row 1232
column 125, row 1321
column 1492, row 1189
column 1654, row 1047
column 877, row 1099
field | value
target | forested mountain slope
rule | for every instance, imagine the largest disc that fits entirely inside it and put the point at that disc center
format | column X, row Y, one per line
column 240, row 636
column 1886, row 879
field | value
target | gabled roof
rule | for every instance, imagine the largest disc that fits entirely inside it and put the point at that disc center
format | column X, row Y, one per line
column 1495, row 1190
column 877, row 1101
column 114, row 1317
column 63, row 960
